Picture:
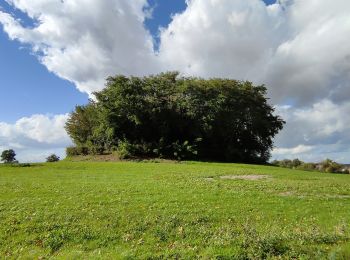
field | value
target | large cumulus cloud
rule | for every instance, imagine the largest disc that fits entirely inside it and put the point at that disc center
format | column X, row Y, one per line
column 84, row 41
column 299, row 49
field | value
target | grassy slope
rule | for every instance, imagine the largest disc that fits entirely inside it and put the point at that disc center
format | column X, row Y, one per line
column 122, row 210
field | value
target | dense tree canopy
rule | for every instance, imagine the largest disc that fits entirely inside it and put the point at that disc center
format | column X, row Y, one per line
column 175, row 117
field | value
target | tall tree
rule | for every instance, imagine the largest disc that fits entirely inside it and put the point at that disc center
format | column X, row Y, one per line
column 8, row 156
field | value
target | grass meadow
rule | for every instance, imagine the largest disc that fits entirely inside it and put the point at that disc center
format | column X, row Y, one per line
column 128, row 210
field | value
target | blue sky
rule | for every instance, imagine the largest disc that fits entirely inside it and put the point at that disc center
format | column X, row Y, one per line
column 28, row 88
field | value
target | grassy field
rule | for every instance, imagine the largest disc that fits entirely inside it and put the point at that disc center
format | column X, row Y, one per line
column 172, row 210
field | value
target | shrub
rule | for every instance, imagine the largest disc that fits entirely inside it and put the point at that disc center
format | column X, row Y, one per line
column 286, row 163
column 92, row 149
column 185, row 150
column 53, row 158
column 125, row 150
column 331, row 166
column 275, row 163
column 75, row 151
column 71, row 151
column 327, row 165
column 307, row 167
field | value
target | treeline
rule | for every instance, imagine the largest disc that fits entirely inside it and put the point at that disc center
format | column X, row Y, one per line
column 327, row 165
column 9, row 157
column 168, row 116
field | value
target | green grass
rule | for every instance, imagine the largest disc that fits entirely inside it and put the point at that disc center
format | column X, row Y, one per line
column 131, row 210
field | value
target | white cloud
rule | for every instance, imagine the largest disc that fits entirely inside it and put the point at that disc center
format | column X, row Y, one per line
column 299, row 49
column 300, row 149
column 324, row 127
column 84, row 41
column 35, row 137
column 229, row 38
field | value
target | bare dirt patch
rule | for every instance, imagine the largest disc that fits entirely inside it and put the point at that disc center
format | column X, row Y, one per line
column 287, row 194
column 244, row 177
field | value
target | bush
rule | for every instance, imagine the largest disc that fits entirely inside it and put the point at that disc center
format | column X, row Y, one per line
column 53, row 158
column 75, row 151
column 71, row 151
column 327, row 165
column 125, row 150
column 185, row 150
column 307, row 167
column 95, row 150
column 286, row 163
column 331, row 166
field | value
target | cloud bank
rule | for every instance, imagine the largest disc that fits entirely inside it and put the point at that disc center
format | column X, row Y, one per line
column 36, row 137
column 299, row 49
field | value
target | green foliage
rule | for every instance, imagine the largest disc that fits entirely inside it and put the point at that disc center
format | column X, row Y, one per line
column 296, row 163
column 331, row 166
column 75, row 151
column 307, row 167
column 8, row 156
column 327, row 165
column 286, row 163
column 82, row 122
column 166, row 116
column 186, row 150
column 52, row 158
column 125, row 150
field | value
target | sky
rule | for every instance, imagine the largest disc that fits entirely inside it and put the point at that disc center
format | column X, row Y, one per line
column 54, row 54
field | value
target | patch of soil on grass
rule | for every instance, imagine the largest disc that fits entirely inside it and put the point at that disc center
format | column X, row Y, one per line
column 244, row 177
column 287, row 194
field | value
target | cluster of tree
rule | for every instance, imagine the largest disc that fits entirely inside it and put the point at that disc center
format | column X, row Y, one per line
column 9, row 157
column 168, row 116
column 324, row 166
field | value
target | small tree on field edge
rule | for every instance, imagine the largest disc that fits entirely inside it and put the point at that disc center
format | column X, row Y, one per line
column 8, row 156
column 53, row 158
